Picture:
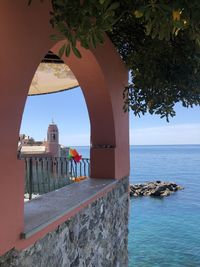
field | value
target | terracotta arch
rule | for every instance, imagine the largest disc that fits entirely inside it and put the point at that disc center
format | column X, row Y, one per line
column 102, row 76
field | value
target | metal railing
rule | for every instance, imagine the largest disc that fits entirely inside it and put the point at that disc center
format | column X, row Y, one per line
column 45, row 174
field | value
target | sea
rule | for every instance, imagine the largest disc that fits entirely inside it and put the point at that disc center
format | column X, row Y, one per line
column 164, row 232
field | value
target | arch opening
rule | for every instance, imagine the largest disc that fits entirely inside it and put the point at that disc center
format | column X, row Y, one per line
column 46, row 151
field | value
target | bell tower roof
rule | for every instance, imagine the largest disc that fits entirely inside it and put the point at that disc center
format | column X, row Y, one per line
column 53, row 127
column 52, row 133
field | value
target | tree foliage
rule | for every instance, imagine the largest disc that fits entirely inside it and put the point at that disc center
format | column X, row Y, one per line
column 160, row 45
column 159, row 40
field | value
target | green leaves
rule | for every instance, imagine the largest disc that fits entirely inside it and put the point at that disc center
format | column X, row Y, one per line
column 76, row 52
column 158, row 40
column 67, row 50
column 61, row 51
column 102, row 2
column 163, row 70
column 114, row 6
column 83, row 21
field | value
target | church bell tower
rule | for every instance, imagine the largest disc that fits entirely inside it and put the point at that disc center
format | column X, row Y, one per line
column 53, row 146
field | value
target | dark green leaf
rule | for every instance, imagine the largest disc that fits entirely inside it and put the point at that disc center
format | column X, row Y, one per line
column 61, row 51
column 67, row 50
column 76, row 52
column 114, row 6
column 54, row 37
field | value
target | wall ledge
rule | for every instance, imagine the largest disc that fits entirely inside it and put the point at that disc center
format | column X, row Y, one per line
column 45, row 210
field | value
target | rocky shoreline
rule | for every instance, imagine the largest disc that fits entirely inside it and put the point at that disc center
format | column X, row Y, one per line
column 154, row 189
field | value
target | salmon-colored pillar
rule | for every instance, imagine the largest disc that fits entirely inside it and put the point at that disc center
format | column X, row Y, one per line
column 24, row 41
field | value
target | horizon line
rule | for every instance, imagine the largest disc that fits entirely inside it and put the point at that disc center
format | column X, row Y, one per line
column 148, row 145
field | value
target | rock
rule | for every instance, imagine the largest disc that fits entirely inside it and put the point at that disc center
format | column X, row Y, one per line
column 178, row 187
column 166, row 193
column 154, row 189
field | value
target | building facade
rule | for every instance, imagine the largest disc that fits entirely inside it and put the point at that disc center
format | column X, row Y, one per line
column 28, row 147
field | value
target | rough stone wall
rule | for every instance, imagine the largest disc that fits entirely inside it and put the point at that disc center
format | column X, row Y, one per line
column 95, row 237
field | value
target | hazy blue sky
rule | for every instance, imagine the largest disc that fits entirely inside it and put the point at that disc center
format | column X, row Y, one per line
column 69, row 111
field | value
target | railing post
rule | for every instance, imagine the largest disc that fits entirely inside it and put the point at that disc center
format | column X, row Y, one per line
column 84, row 167
column 30, row 178
column 88, row 161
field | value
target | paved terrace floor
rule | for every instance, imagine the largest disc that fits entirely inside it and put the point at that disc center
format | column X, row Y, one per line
column 46, row 209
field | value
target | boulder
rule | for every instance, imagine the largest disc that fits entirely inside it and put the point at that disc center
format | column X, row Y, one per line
column 154, row 189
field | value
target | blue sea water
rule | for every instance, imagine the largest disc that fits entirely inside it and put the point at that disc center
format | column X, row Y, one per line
column 165, row 232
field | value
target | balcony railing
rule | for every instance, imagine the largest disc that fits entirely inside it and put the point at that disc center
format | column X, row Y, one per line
column 45, row 174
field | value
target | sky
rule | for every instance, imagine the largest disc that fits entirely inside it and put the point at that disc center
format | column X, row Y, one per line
column 68, row 110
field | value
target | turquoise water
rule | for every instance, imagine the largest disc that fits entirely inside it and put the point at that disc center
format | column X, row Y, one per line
column 165, row 232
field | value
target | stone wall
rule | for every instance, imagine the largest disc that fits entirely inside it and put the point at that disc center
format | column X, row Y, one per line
column 96, row 236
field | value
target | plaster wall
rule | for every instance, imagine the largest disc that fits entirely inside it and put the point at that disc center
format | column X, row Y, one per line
column 25, row 33
column 24, row 40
